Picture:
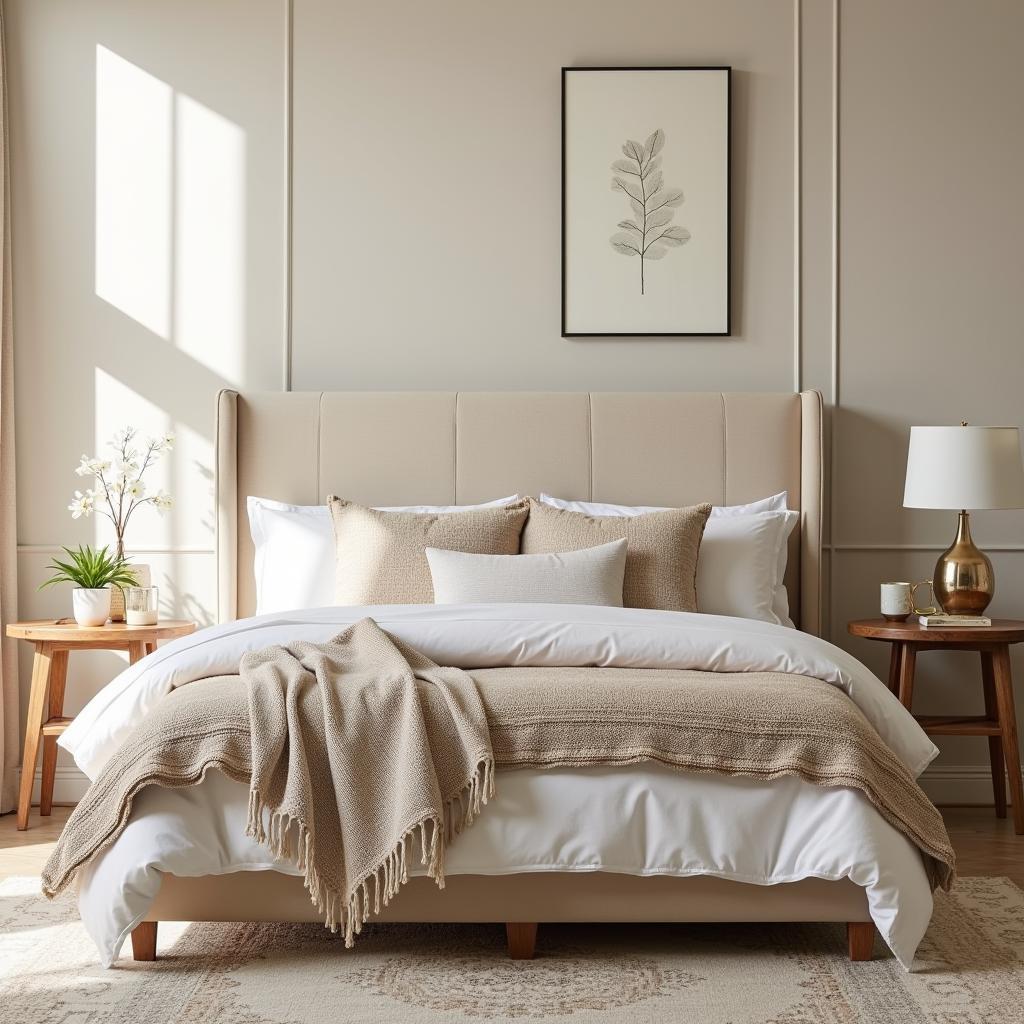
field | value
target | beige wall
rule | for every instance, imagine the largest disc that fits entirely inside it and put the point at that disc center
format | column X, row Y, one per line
column 930, row 281
column 148, row 206
column 422, row 244
column 434, row 128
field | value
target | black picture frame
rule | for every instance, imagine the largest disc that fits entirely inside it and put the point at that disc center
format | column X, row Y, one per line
column 727, row 332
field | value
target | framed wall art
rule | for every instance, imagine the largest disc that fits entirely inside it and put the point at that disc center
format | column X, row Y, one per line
column 645, row 201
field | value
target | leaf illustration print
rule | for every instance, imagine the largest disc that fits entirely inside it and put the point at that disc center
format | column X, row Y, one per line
column 650, row 234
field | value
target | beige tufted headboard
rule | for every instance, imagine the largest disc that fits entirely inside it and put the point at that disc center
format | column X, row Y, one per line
column 439, row 447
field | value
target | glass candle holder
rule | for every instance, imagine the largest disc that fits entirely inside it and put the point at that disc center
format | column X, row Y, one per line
column 140, row 605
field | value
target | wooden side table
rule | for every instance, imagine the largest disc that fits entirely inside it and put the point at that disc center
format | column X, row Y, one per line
column 999, row 723
column 53, row 642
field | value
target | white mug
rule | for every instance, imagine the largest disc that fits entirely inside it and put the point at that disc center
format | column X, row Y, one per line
column 898, row 600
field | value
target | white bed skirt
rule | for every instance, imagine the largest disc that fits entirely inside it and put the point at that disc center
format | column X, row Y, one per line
column 638, row 820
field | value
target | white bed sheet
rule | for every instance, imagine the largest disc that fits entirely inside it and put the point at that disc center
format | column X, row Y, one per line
column 645, row 820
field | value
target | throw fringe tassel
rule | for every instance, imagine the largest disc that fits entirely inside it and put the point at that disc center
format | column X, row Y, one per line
column 350, row 914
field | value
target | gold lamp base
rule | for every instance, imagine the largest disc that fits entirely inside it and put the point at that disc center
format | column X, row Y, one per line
column 964, row 578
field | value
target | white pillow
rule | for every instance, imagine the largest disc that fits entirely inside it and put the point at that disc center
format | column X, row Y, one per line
column 587, row 576
column 742, row 565
column 773, row 503
column 741, row 569
column 295, row 554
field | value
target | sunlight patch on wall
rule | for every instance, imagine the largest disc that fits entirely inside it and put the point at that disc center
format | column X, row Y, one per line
column 186, row 473
column 133, row 191
column 118, row 406
column 209, row 224
column 171, row 214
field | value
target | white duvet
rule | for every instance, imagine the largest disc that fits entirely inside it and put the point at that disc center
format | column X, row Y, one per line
column 638, row 819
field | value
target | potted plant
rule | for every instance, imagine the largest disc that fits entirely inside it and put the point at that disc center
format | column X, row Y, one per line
column 93, row 573
column 118, row 491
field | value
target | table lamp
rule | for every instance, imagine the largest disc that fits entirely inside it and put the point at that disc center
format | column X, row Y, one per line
column 964, row 468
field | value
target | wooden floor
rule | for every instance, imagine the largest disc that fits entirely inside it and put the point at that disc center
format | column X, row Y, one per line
column 984, row 844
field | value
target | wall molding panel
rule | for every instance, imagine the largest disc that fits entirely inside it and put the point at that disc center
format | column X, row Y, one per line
column 832, row 408
column 798, row 335
column 56, row 549
column 289, row 150
column 840, row 548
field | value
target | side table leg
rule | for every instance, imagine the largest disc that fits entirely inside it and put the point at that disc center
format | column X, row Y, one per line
column 896, row 649
column 995, row 743
column 908, row 662
column 36, row 710
column 136, row 651
column 1008, row 722
column 58, row 680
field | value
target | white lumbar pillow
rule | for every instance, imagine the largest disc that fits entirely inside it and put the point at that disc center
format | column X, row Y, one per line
column 587, row 576
column 741, row 569
column 295, row 552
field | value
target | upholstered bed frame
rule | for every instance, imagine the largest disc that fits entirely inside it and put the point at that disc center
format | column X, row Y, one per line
column 394, row 448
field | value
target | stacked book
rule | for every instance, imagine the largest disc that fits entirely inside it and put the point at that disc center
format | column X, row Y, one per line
column 955, row 620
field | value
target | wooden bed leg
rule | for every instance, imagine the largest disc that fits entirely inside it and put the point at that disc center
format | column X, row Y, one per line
column 860, row 935
column 522, row 939
column 144, row 941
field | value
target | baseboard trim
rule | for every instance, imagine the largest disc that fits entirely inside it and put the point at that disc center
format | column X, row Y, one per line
column 958, row 784
column 69, row 786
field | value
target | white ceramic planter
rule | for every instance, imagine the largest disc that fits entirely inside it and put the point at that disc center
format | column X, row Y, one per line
column 92, row 607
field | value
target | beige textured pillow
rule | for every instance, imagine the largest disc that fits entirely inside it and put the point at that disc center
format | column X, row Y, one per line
column 380, row 556
column 661, row 549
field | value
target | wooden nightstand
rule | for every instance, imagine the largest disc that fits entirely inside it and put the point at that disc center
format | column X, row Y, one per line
column 53, row 642
column 999, row 723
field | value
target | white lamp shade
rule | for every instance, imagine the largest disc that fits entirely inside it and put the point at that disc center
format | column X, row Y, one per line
column 964, row 467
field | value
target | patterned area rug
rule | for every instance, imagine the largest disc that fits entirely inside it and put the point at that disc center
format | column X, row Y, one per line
column 970, row 970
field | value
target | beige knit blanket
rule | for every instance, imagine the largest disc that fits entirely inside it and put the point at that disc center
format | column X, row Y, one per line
column 361, row 752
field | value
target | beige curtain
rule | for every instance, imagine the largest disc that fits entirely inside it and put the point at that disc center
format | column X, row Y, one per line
column 9, row 719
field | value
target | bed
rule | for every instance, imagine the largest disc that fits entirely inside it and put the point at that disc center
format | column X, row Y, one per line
column 458, row 448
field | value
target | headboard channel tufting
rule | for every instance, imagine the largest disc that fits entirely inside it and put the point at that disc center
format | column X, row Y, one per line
column 446, row 447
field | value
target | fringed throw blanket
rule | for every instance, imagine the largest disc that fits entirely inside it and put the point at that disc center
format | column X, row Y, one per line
column 357, row 752
column 361, row 752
